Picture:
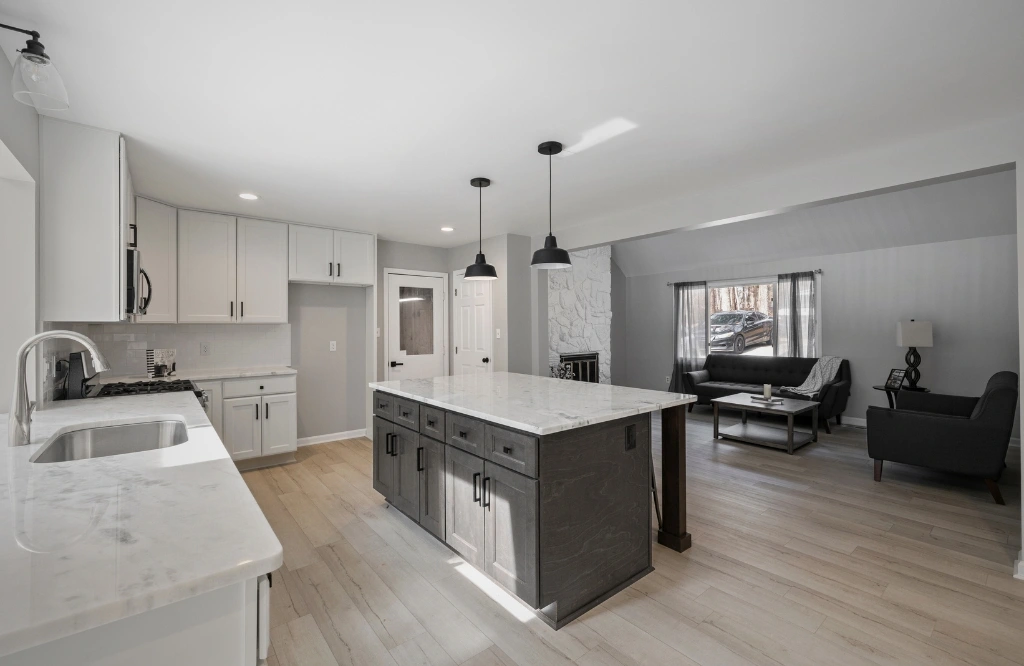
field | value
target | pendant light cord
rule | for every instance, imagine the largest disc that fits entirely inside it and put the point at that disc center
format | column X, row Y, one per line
column 549, row 195
column 481, row 219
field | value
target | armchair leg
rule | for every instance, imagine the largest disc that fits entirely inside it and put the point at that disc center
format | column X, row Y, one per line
column 993, row 488
column 825, row 423
column 878, row 470
column 839, row 419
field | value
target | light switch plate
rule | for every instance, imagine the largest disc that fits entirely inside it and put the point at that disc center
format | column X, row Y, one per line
column 204, row 348
column 334, row 345
column 497, row 332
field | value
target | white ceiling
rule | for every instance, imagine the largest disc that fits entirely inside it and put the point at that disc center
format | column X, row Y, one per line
column 375, row 115
column 967, row 208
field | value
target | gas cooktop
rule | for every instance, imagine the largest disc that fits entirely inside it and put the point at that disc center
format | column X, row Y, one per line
column 147, row 387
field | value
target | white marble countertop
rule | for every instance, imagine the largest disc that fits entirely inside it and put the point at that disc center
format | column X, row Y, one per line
column 538, row 405
column 87, row 542
column 204, row 375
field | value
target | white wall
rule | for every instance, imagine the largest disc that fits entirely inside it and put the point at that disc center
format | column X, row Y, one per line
column 966, row 288
column 580, row 308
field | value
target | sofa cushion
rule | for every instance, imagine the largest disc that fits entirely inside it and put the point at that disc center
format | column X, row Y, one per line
column 758, row 370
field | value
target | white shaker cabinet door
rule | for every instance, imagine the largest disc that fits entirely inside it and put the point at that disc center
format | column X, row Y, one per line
column 310, row 254
column 206, row 268
column 243, row 421
column 156, row 234
column 280, row 425
column 262, row 272
column 353, row 258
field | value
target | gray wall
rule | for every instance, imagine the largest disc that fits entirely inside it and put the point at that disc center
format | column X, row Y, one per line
column 966, row 288
column 392, row 254
column 331, row 385
column 620, row 329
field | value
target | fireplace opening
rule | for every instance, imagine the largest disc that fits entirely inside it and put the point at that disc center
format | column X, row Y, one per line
column 583, row 366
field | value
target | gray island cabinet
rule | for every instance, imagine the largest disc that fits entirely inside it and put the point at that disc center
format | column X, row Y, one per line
column 542, row 484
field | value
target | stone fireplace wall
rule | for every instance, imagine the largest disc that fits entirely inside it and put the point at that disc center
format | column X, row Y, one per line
column 580, row 308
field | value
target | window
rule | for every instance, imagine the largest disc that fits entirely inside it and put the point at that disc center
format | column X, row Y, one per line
column 741, row 317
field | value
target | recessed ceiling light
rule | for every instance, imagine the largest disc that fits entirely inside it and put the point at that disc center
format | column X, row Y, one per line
column 447, row 228
column 248, row 196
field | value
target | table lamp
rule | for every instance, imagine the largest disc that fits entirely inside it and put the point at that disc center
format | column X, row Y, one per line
column 913, row 334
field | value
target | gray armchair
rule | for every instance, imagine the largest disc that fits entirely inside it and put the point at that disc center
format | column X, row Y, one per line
column 947, row 432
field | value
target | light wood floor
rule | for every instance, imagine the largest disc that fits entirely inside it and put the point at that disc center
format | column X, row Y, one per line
column 798, row 559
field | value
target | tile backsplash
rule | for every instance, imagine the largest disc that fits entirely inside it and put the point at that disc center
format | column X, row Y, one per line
column 230, row 345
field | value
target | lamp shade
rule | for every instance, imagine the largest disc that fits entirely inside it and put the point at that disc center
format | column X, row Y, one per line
column 37, row 83
column 480, row 270
column 914, row 334
column 551, row 256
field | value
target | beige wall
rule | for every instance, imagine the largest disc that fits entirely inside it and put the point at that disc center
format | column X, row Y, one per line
column 331, row 385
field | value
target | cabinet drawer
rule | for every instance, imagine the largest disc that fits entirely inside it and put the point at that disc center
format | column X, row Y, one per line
column 514, row 450
column 237, row 388
column 467, row 434
column 407, row 413
column 432, row 422
column 384, row 405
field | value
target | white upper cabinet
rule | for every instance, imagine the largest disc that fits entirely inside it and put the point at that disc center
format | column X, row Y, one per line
column 85, row 209
column 206, row 268
column 156, row 236
column 329, row 256
column 310, row 254
column 262, row 272
column 353, row 258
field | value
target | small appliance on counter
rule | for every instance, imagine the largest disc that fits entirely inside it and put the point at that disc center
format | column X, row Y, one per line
column 77, row 377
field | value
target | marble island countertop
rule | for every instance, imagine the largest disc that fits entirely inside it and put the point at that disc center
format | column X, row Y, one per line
column 88, row 542
column 538, row 405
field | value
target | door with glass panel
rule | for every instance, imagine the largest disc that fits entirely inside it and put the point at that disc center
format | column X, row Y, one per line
column 416, row 329
column 471, row 325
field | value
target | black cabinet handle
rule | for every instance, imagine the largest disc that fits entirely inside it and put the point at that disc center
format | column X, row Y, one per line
column 419, row 459
column 405, row 415
column 382, row 405
column 232, row 311
column 330, row 269
column 387, row 443
column 476, row 495
column 339, row 270
column 484, row 495
column 241, row 309
column 463, row 434
column 266, row 414
column 395, row 441
column 257, row 411
column 431, row 423
column 507, row 450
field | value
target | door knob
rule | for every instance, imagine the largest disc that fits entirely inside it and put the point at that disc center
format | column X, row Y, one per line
column 486, row 360
column 396, row 363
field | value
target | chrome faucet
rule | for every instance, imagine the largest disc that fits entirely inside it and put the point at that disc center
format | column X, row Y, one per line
column 19, row 423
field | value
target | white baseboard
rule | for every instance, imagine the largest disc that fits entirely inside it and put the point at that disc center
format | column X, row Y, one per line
column 332, row 437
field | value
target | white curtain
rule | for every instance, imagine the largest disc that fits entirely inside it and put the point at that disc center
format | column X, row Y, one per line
column 796, row 318
column 691, row 334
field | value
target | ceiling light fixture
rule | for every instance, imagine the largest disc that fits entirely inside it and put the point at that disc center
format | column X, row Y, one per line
column 447, row 229
column 248, row 196
column 550, row 256
column 36, row 81
column 480, row 269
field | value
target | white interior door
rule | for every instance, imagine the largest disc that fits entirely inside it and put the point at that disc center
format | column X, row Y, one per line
column 415, row 327
column 472, row 323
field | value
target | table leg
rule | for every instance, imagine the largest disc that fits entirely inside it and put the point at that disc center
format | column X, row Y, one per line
column 673, row 532
column 892, row 401
column 715, row 409
column 789, row 434
column 814, row 424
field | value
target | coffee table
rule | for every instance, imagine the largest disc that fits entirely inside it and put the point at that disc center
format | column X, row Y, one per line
column 787, row 439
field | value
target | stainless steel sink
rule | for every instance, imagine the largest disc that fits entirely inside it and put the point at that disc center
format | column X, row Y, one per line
column 111, row 441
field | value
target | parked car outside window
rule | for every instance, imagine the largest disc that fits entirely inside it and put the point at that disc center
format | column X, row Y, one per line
column 734, row 331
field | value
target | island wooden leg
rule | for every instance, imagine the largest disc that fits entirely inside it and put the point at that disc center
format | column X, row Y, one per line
column 673, row 532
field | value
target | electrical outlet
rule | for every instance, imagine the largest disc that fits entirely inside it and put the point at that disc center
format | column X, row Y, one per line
column 204, row 348
column 668, row 380
column 334, row 345
column 497, row 333
column 378, row 332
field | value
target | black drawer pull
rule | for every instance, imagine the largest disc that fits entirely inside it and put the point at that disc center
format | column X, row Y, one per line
column 419, row 459
column 507, row 450
column 431, row 423
column 405, row 415
column 382, row 405
column 476, row 495
column 463, row 434
column 484, row 495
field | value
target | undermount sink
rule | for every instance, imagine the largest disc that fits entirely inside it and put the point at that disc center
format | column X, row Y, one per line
column 111, row 440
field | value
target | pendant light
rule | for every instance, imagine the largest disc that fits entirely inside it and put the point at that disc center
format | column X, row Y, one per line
column 550, row 256
column 480, row 269
column 36, row 81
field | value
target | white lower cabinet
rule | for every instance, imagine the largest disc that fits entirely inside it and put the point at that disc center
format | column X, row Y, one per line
column 260, row 425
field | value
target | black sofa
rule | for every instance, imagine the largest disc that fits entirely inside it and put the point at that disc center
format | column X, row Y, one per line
column 727, row 374
column 949, row 433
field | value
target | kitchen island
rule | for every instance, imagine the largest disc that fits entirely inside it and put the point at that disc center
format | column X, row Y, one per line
column 154, row 557
column 542, row 484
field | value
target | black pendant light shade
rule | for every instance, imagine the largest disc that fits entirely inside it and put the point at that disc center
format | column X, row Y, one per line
column 480, row 269
column 550, row 256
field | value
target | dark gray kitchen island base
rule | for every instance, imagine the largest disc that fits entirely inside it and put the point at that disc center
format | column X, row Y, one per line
column 562, row 521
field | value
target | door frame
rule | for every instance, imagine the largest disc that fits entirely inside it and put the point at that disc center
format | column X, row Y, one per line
column 455, row 327
column 388, row 272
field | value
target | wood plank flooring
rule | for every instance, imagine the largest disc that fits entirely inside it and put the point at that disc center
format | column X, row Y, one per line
column 799, row 559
